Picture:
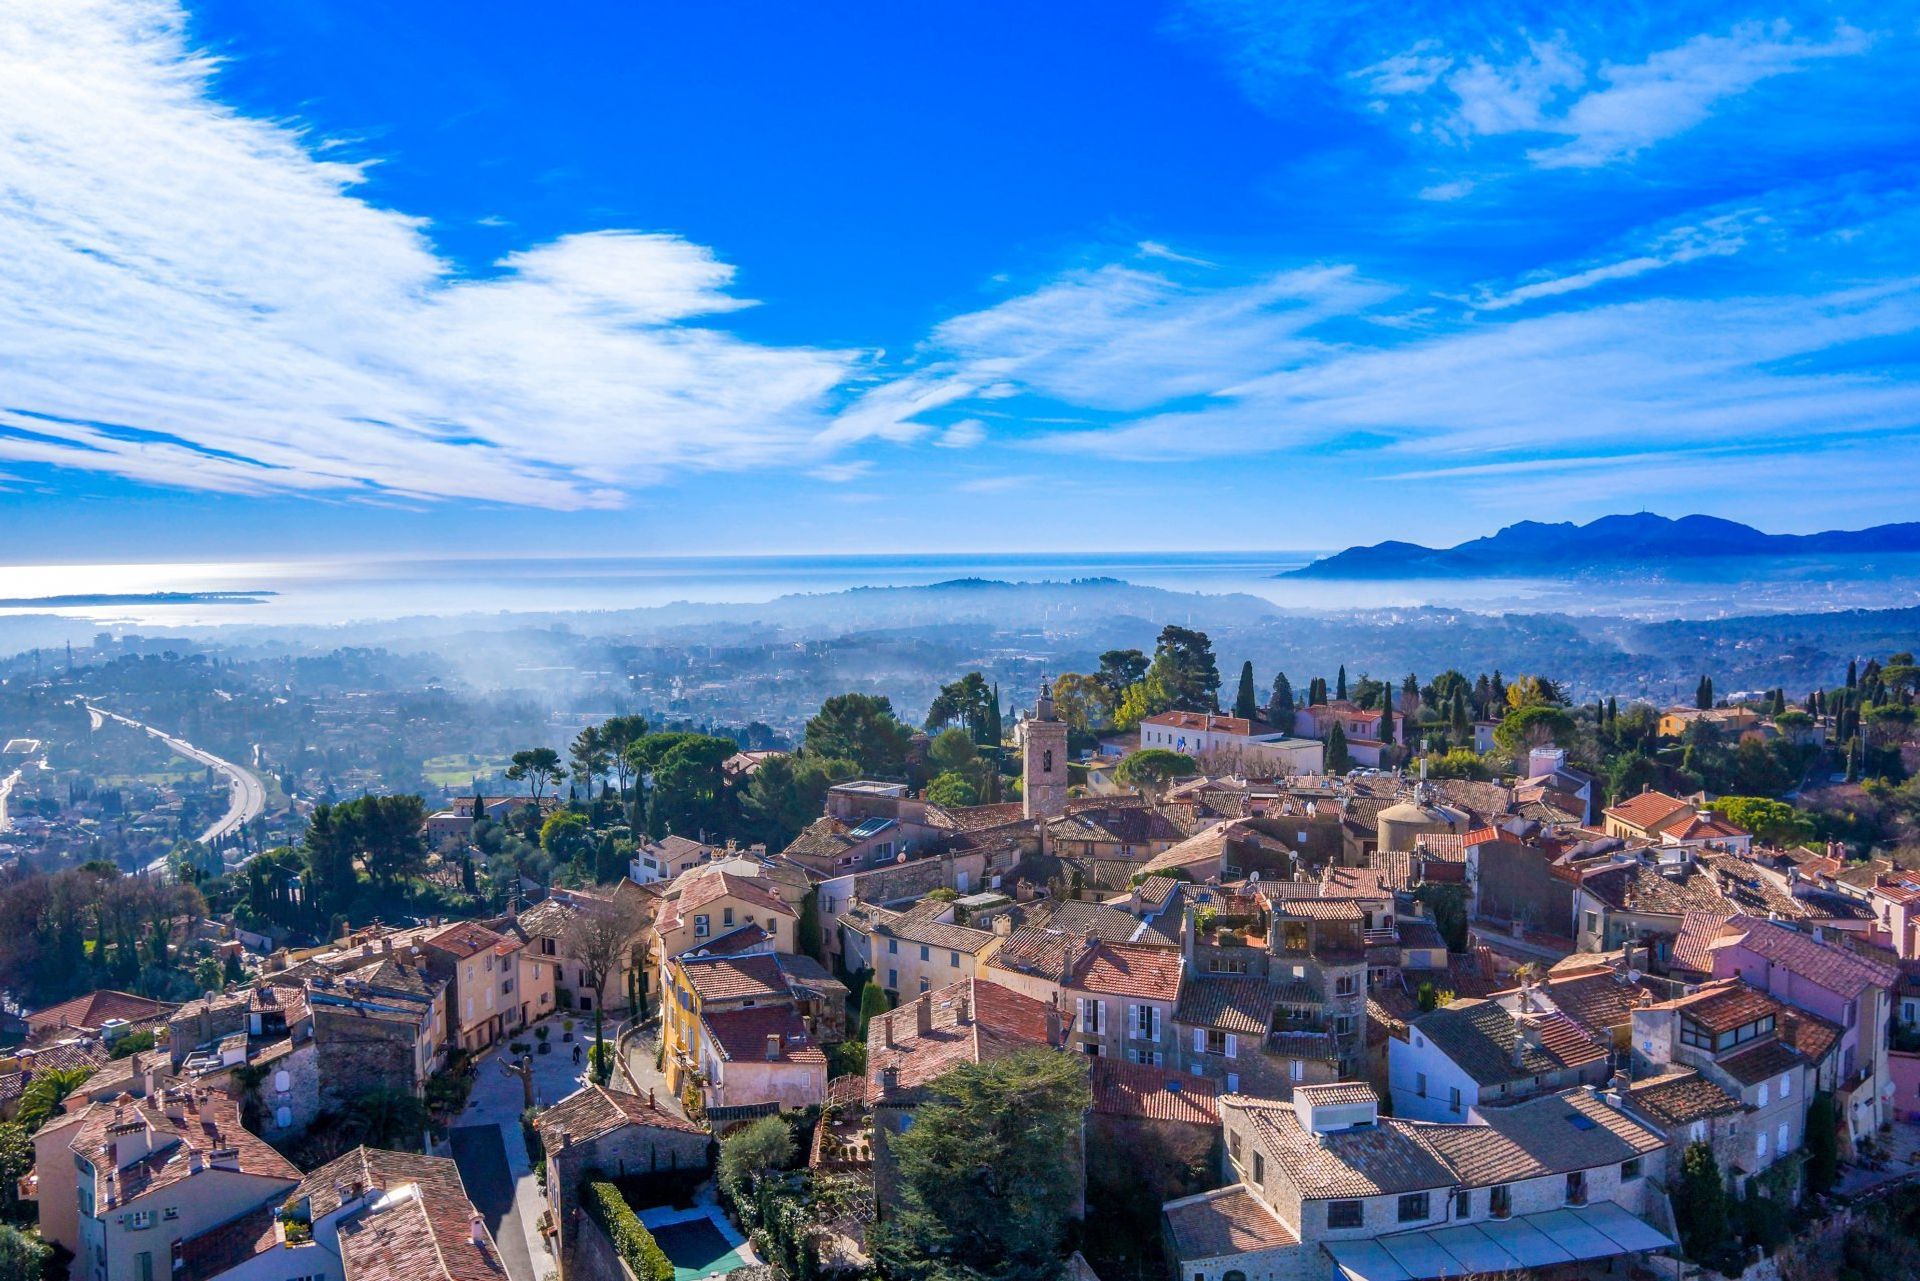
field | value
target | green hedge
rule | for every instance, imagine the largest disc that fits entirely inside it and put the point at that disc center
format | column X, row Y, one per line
column 630, row 1238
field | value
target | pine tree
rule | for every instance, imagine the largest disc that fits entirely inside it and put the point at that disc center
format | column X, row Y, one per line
column 1245, row 706
column 1411, row 685
column 1340, row 690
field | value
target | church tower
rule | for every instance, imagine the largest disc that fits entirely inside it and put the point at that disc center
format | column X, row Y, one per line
column 1043, row 760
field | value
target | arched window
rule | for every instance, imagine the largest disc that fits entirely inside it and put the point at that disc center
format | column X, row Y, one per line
column 1234, row 1275
column 1046, row 761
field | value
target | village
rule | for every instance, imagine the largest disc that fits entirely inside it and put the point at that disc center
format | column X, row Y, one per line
column 1371, row 1024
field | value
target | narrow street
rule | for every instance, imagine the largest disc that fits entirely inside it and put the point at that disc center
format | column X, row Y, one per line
column 492, row 1154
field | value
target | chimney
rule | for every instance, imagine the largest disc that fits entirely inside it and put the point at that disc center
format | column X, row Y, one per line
column 1053, row 1025
column 193, row 1160
column 963, row 1009
column 477, row 1230
column 773, row 1047
column 651, row 1101
column 886, row 1030
column 386, row 945
column 1003, row 924
column 1189, row 926
column 923, row 1014
column 889, row 1079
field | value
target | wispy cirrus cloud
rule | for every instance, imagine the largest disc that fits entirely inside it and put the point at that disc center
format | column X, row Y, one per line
column 196, row 297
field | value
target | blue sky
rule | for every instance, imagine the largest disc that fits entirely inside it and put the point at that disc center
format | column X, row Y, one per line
column 319, row 276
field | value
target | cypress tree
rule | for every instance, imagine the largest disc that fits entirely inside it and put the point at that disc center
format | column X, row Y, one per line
column 1245, row 705
column 1280, row 705
column 1386, row 715
column 1339, row 759
column 1499, row 691
column 1853, row 674
column 993, row 717
column 1613, row 709
column 1462, row 723
column 1340, row 690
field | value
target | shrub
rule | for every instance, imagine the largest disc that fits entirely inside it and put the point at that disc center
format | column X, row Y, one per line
column 634, row 1244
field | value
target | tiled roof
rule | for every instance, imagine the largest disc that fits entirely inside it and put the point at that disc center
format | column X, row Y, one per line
column 64, row 1055
column 1095, row 920
column 825, row 837
column 1713, row 884
column 1232, row 1003
column 733, row 978
column 1701, row 827
column 914, row 927
column 87, row 1013
column 1319, row 909
column 1646, row 810
column 1041, row 952
column 1810, row 1034
column 704, row 886
column 1198, row 848
column 1214, row 721
column 1420, row 934
column 465, row 939
column 743, row 1035
column 420, row 1229
column 976, row 818
column 972, row 1021
column 1128, row 969
column 221, row 1249
column 1598, row 1001
column 593, row 1111
column 1479, row 1037
column 1150, row 1093
column 1693, row 949
column 1755, row 1064
column 1681, row 1098
column 1356, row 882
column 548, row 919
column 1843, row 972
column 1553, row 1134
column 1376, row 1160
column 1319, row 1047
column 1223, row 1223
column 179, row 1122
column 1336, row 1093
column 1728, row 1004
column 745, row 938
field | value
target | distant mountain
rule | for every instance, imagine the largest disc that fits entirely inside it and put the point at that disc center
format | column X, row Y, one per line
column 1610, row 544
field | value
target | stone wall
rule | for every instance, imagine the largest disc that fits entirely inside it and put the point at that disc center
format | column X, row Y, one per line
column 593, row 1257
column 360, row 1052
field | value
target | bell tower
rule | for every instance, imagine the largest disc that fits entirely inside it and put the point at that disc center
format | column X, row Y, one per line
column 1043, row 760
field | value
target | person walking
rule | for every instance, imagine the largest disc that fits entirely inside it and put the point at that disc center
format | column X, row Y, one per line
column 576, row 1054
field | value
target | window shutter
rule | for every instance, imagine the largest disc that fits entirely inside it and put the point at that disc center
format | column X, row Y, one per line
column 1199, row 1040
column 1154, row 1015
column 1233, row 1046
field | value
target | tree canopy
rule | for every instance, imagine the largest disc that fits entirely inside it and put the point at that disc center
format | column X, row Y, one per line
column 989, row 1172
column 1183, row 659
column 860, row 728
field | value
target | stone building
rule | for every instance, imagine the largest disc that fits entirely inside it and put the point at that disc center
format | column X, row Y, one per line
column 1043, row 760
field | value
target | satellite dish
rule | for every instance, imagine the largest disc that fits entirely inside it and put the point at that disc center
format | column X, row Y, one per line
column 1253, row 878
column 1633, row 976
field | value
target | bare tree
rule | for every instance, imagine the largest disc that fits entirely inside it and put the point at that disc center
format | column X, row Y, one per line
column 599, row 936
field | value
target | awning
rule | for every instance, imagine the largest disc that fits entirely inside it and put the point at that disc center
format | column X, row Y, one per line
column 1595, row 1231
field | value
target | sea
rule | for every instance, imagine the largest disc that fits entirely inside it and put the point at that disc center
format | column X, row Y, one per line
column 203, row 594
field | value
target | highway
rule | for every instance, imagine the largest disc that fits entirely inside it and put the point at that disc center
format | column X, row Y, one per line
column 248, row 796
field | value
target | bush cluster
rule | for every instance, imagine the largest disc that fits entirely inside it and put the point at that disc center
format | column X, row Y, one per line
column 630, row 1238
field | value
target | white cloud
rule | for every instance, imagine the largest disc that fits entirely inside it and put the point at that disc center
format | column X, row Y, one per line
column 1714, row 238
column 1454, row 189
column 194, row 297
column 964, row 434
column 1607, row 113
column 842, row 472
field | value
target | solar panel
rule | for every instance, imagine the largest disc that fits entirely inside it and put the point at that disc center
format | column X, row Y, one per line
column 1581, row 1121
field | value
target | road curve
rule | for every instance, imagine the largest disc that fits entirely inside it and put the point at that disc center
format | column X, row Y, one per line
column 247, row 794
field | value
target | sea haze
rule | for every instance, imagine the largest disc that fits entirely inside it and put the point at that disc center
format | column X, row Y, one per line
column 197, row 596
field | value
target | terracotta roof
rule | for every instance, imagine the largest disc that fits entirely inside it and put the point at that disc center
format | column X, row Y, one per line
column 1209, row 721
column 178, row 1122
column 548, row 919
column 1375, row 1160
column 466, row 938
column 1231, row 1003
column 1356, row 882
column 743, row 1035
column 63, row 1055
column 1843, row 972
column 971, row 1021
column 1681, row 1098
column 1810, row 1034
column 913, row 926
column 1319, row 1047
column 1319, row 909
column 1765, row 1059
column 1041, row 952
column 1207, row 844
column 976, row 818
column 733, row 978
column 87, row 1013
column 825, row 837
column 593, row 1111
column 1693, row 949
column 221, row 1249
column 1223, row 1223
column 1479, row 1037
column 704, row 886
column 421, row 1227
column 1150, row 1093
column 735, row 942
column 1598, row 1000
column 1701, row 827
column 1647, row 810
column 1128, row 969
column 1728, row 1004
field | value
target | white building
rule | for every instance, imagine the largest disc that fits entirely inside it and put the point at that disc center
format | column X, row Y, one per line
column 1232, row 743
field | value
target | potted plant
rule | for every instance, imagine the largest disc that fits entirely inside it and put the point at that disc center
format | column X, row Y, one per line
column 542, row 1033
column 566, row 1030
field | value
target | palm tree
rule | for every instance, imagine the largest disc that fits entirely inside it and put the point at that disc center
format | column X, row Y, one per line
column 44, row 1094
